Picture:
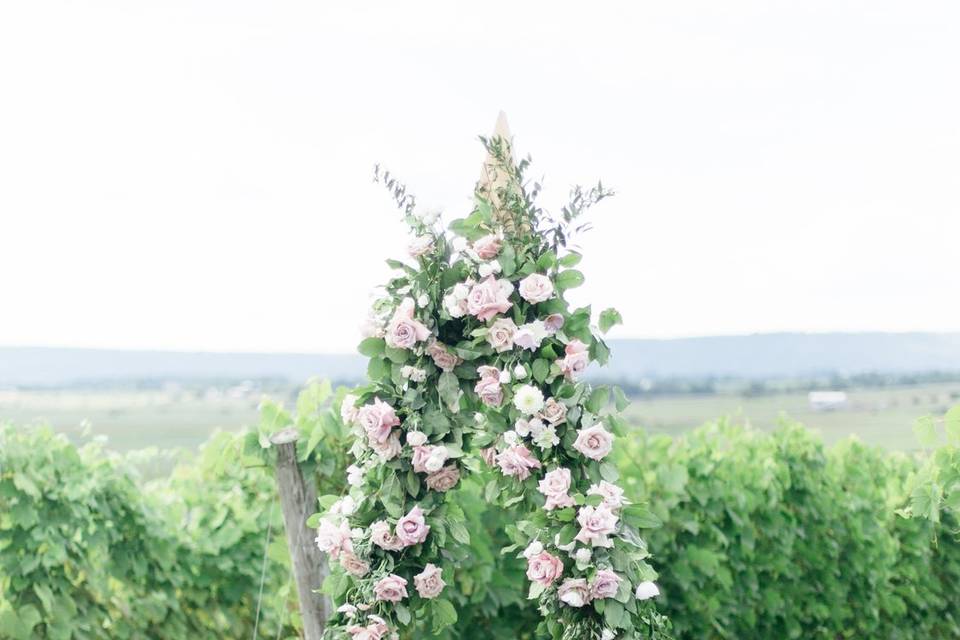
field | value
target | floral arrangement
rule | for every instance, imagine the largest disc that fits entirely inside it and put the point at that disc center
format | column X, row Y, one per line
column 476, row 360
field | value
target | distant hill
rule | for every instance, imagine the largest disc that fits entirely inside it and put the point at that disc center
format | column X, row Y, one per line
column 752, row 357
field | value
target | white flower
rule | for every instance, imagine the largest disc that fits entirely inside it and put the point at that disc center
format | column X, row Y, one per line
column 348, row 610
column 647, row 590
column 479, row 418
column 528, row 399
column 354, row 475
column 512, row 438
column 416, row 438
column 455, row 302
column 522, row 427
column 519, row 372
column 427, row 216
column 345, row 506
column 607, row 635
column 536, row 426
column 504, row 377
column 530, row 335
column 546, row 438
column 583, row 556
column 438, row 456
column 423, row 300
column 489, row 268
column 535, row 548
column 413, row 373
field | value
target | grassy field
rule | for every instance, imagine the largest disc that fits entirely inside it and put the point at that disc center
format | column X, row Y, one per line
column 877, row 416
column 176, row 419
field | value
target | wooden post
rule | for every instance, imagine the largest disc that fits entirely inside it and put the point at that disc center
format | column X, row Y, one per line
column 298, row 498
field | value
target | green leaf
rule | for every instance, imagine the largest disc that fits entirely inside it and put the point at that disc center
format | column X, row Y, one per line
column 925, row 429
column 620, row 399
column 444, row 614
column 608, row 471
column 372, row 347
column 598, row 399
column 569, row 279
column 403, row 614
column 541, row 369
column 952, row 423
column 609, row 318
column 459, row 532
column 449, row 388
column 640, row 517
column 572, row 259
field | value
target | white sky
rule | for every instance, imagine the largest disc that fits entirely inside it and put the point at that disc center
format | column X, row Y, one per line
column 196, row 175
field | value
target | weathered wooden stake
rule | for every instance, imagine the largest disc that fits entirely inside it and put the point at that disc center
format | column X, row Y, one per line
column 298, row 498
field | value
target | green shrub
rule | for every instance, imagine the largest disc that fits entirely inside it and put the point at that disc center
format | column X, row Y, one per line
column 773, row 536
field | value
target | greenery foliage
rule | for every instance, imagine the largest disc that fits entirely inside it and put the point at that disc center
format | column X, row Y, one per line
column 773, row 536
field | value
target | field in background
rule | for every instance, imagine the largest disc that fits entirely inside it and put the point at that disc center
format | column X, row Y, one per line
column 177, row 418
column 882, row 417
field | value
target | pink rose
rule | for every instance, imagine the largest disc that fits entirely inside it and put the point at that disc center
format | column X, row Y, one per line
column 612, row 494
column 594, row 442
column 392, row 588
column 383, row 537
column 596, row 523
column 412, row 528
column 387, row 450
column 444, row 480
column 377, row 420
column 442, row 357
column 354, row 565
column 334, row 539
column 543, row 568
column 500, row 335
column 429, row 582
column 574, row 592
column 487, row 247
column 553, row 412
column 489, row 297
column 555, row 485
column 553, row 323
column 605, row 585
column 536, row 288
column 517, row 461
column 403, row 330
column 375, row 631
column 576, row 359
column 488, row 387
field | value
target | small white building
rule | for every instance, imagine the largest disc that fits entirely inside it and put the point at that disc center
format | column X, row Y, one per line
column 827, row 400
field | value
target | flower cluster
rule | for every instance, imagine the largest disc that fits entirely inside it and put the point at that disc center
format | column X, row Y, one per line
column 474, row 350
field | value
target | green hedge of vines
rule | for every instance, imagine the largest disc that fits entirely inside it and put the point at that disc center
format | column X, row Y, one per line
column 774, row 536
column 764, row 536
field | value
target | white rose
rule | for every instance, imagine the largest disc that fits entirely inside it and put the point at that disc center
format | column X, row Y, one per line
column 647, row 590
column 535, row 548
column 536, row 288
column 489, row 268
column 512, row 438
column 583, row 556
column 436, row 459
column 416, row 438
column 354, row 475
column 423, row 300
column 519, row 372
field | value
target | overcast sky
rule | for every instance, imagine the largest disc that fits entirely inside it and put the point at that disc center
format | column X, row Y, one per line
column 197, row 175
